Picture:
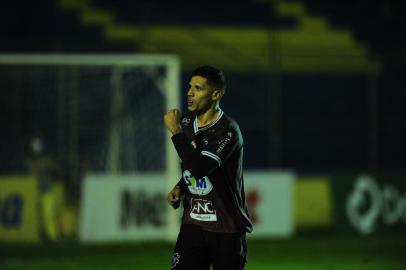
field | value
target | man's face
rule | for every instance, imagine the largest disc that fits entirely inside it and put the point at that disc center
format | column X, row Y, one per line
column 200, row 95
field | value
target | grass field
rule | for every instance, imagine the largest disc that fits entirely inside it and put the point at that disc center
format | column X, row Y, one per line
column 304, row 252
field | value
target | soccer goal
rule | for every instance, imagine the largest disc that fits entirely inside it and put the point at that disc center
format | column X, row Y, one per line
column 92, row 113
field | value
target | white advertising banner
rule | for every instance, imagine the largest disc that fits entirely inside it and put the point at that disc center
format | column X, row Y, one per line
column 270, row 202
column 123, row 208
column 133, row 207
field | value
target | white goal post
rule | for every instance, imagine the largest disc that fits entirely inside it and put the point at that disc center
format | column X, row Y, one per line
column 121, row 68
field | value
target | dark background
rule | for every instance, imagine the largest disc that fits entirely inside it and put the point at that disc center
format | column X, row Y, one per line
column 309, row 121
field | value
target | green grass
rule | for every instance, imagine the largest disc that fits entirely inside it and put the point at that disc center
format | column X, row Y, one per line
column 300, row 253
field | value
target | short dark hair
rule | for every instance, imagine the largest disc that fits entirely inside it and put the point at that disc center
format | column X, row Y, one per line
column 214, row 76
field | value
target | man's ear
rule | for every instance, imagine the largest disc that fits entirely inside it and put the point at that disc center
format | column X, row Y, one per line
column 216, row 95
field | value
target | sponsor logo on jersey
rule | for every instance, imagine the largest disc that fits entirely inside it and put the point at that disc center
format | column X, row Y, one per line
column 222, row 144
column 185, row 121
column 202, row 186
column 202, row 210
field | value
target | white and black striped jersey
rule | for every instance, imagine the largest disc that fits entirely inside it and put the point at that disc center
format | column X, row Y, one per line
column 212, row 168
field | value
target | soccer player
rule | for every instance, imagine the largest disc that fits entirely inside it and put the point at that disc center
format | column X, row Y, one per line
column 210, row 145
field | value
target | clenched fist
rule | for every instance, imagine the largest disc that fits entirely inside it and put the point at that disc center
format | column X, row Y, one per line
column 172, row 121
column 174, row 197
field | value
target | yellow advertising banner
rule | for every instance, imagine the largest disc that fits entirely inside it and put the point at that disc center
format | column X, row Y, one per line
column 19, row 213
column 313, row 203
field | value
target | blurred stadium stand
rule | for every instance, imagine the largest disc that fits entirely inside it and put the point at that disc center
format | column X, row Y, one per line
column 185, row 12
column 379, row 24
column 43, row 26
column 310, row 122
column 27, row 26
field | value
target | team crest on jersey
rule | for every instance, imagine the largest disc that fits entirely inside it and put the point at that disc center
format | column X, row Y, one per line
column 175, row 259
column 193, row 143
column 202, row 186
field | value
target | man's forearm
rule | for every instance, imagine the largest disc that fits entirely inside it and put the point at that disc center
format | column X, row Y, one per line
column 198, row 164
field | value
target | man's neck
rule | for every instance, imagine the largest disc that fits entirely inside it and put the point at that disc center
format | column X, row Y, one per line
column 208, row 117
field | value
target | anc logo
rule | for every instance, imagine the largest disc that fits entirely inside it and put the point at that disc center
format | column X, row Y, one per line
column 201, row 186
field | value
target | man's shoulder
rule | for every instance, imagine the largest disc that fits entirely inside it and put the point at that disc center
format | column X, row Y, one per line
column 231, row 128
column 229, row 123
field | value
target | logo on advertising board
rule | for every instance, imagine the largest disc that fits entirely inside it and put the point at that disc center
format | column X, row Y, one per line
column 19, row 216
column 11, row 210
column 253, row 199
column 140, row 208
column 202, row 210
column 202, row 186
column 368, row 203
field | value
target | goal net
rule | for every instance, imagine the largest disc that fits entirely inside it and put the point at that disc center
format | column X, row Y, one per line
column 90, row 113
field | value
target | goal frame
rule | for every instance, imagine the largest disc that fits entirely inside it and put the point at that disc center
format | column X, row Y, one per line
column 172, row 95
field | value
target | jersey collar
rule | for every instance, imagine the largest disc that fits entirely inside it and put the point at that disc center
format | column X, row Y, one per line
column 198, row 130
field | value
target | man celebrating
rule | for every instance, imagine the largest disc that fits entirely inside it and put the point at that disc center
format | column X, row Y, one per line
column 210, row 146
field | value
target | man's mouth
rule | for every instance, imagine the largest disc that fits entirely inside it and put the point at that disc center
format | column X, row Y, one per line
column 190, row 102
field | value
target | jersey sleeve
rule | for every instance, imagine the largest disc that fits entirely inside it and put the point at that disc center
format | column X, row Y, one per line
column 218, row 149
